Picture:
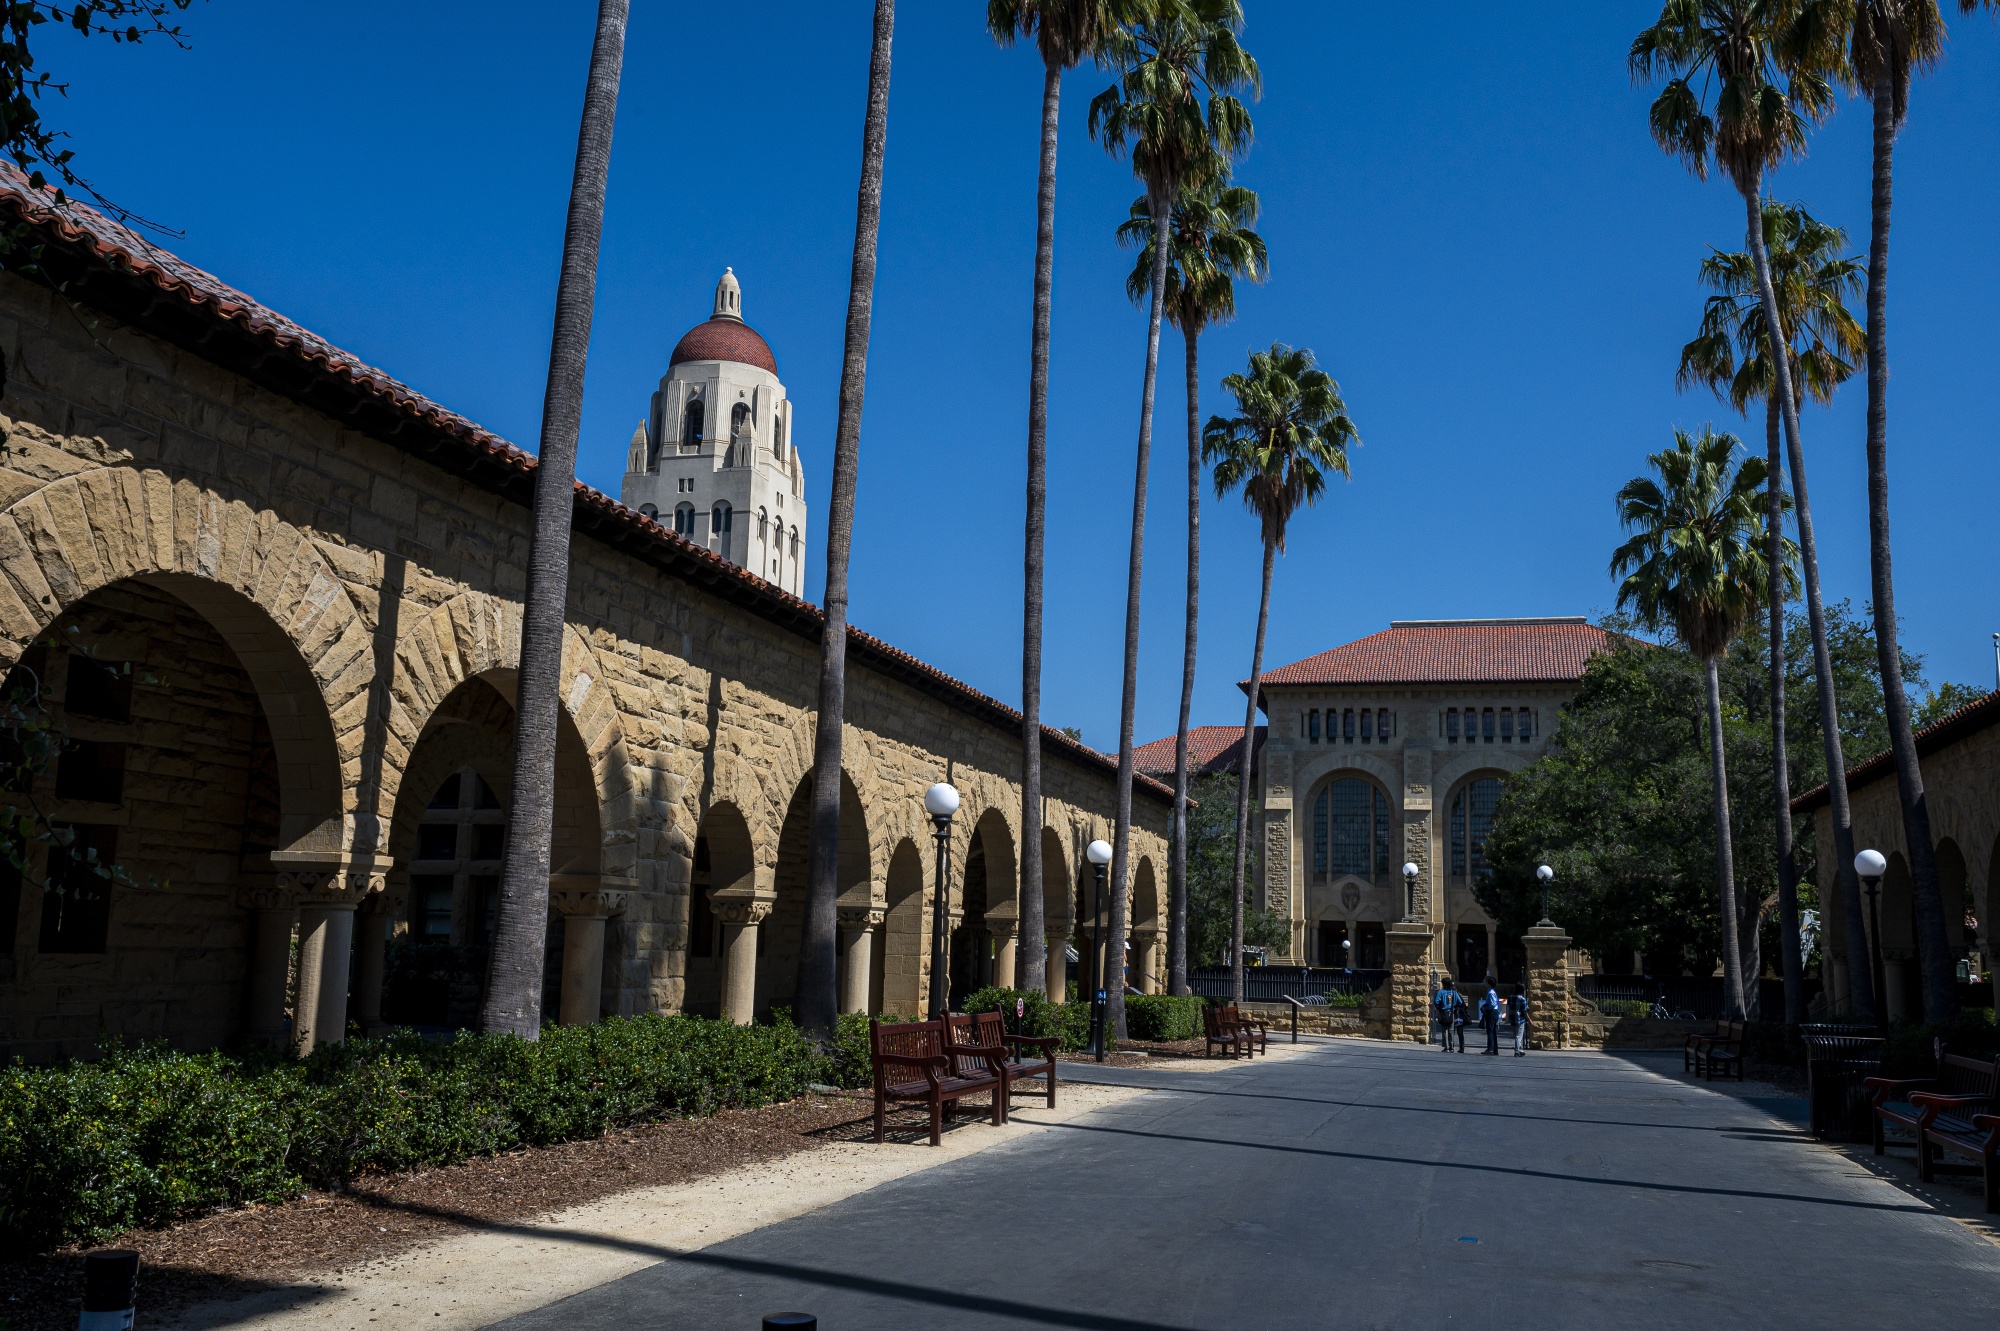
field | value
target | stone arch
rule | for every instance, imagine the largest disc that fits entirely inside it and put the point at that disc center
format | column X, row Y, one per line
column 781, row 936
column 1902, row 994
column 899, row 986
column 1317, row 814
column 260, row 582
column 475, row 636
column 1458, row 817
column 1952, row 891
column 986, row 897
column 1148, row 933
column 725, row 862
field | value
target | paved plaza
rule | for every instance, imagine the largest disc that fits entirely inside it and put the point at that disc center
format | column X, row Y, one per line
column 1360, row 1185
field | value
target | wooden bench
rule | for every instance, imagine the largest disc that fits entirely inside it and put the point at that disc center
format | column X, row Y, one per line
column 1981, row 1141
column 1256, row 1031
column 1221, row 1032
column 916, row 1061
column 1703, row 1052
column 1016, row 1066
column 1945, row 1104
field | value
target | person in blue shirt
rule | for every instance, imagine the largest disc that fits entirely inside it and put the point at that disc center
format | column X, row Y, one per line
column 1450, row 1006
column 1489, row 1017
column 1520, row 1014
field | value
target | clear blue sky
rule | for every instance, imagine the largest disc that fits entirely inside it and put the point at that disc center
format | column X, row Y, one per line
column 1467, row 222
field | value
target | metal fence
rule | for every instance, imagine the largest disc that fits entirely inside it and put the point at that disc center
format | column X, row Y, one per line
column 1700, row 995
column 1274, row 984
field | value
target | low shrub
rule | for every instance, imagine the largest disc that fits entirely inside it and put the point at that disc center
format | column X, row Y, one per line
column 1068, row 1022
column 1355, row 999
column 146, row 1136
column 1163, row 1017
column 1622, row 1007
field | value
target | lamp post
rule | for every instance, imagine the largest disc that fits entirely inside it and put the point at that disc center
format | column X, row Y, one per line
column 941, row 802
column 1546, row 875
column 1870, row 866
column 1099, row 855
column 1410, row 872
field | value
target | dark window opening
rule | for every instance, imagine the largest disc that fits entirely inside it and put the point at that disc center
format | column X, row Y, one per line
column 1367, row 725
column 1486, row 725
column 437, row 841
column 10, row 908
column 91, row 770
column 489, row 841
column 691, row 422
column 432, row 892
column 1347, row 725
column 76, row 907
column 100, row 689
column 1506, row 725
column 1372, row 947
column 701, row 925
column 1350, row 830
column 1451, row 725
column 485, row 907
column 1312, row 726
column 447, row 794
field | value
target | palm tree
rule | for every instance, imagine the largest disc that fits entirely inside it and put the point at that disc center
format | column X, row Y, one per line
column 1174, row 106
column 1730, row 51
column 1210, row 245
column 1812, row 275
column 1290, row 433
column 1696, row 564
column 816, row 1002
column 513, row 999
column 1065, row 32
column 1889, row 41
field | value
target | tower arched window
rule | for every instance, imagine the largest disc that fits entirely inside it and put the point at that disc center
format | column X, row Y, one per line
column 720, row 520
column 763, row 524
column 739, row 415
column 1471, row 824
column 1486, row 725
column 684, row 520
column 691, row 425
column 650, row 510
column 1350, row 830
column 795, row 542
column 778, row 436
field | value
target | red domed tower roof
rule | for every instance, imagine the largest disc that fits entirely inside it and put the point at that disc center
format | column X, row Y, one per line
column 724, row 339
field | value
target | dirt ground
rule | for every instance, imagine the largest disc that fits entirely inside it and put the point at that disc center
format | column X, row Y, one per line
column 235, row 1251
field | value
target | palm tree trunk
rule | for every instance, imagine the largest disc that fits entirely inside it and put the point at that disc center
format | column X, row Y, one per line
column 1725, row 853
column 816, row 1002
column 1177, row 968
column 1789, row 959
column 1243, row 786
column 513, row 1000
column 1933, row 945
column 1121, row 836
column 1034, row 957
column 1860, row 983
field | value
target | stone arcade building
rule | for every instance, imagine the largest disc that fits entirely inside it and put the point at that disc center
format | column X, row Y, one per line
column 1391, row 750
column 315, row 575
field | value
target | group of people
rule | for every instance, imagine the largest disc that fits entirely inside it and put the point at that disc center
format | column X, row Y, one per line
column 1454, row 1013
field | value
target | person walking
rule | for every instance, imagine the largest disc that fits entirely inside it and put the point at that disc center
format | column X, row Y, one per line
column 1451, row 1015
column 1520, row 1005
column 1489, row 1017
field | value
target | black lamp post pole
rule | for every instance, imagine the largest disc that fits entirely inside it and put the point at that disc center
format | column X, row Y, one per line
column 940, row 953
column 1875, row 958
column 1099, row 965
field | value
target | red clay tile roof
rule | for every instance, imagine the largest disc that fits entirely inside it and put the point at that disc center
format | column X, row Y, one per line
column 1211, row 749
column 1948, row 730
column 99, row 263
column 1454, row 651
column 724, row 339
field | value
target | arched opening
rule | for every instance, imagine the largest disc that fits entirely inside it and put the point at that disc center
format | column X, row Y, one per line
column 987, row 910
column 1350, row 829
column 1147, row 945
column 724, row 860
column 721, row 520
column 780, row 939
column 1902, row 984
column 901, row 987
column 684, row 519
column 1952, row 892
column 778, row 435
column 691, row 425
column 739, row 419
column 1056, row 899
column 177, row 733
column 1472, row 807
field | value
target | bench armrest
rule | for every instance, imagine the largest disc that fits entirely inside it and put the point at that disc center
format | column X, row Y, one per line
column 1986, row 1123
column 1884, row 1088
column 1927, row 1099
column 1046, row 1043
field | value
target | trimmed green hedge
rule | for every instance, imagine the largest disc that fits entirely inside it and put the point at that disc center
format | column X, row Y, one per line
column 146, row 1136
column 1068, row 1022
column 1163, row 1016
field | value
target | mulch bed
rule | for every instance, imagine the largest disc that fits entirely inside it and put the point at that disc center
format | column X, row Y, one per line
column 240, row 1251
column 1143, row 1053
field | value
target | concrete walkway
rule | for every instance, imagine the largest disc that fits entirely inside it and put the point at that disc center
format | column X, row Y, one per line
column 1361, row 1185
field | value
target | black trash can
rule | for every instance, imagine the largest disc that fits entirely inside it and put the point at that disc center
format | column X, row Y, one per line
column 1839, row 1059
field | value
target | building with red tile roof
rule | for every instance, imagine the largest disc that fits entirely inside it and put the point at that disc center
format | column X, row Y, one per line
column 1211, row 750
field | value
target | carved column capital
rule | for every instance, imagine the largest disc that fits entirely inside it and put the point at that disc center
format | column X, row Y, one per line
column 277, row 895
column 330, row 879
column 740, row 910
column 861, row 917
column 594, row 903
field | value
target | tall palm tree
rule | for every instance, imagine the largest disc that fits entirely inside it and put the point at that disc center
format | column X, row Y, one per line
column 1813, row 276
column 1290, row 432
column 816, row 1002
column 1729, row 100
column 1174, row 108
column 1888, row 42
column 1210, row 245
column 1065, row 32
column 513, row 999
column 1696, row 564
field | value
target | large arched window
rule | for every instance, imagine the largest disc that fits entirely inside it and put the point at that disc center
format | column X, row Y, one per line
column 1471, row 824
column 1350, row 830
column 456, row 863
column 778, row 436
column 739, row 415
column 691, row 423
column 684, row 519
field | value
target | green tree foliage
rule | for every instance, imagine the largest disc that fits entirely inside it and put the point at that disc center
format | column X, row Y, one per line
column 1211, row 850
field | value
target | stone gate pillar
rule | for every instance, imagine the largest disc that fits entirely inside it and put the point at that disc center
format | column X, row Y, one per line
column 1409, row 948
column 585, row 907
column 857, row 954
column 1548, row 984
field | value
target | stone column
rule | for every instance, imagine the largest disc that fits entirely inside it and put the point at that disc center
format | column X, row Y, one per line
column 584, row 906
column 1149, row 961
column 1006, row 952
column 857, row 954
column 1409, row 946
column 1548, row 984
column 740, row 918
column 270, row 961
column 329, row 887
column 371, row 948
column 1058, row 970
